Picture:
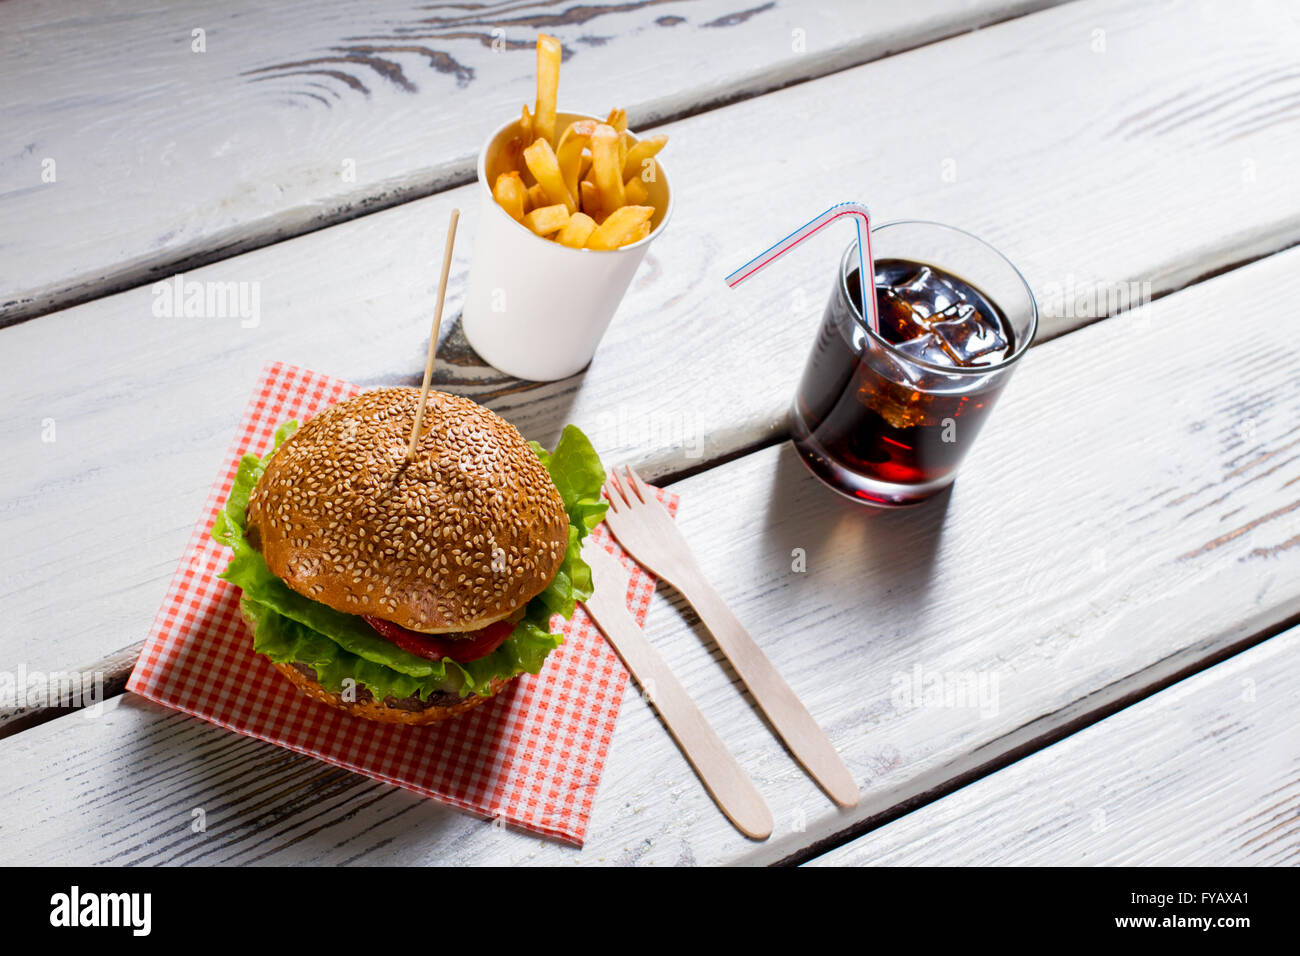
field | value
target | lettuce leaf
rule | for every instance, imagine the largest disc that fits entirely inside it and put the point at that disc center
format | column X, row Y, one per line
column 285, row 641
column 578, row 476
column 229, row 525
column 290, row 627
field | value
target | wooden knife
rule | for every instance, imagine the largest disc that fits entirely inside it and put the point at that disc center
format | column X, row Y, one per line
column 721, row 775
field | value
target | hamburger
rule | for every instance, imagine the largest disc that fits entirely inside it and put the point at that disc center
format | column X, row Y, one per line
column 409, row 591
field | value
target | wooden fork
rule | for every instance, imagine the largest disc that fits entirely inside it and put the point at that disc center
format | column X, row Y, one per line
column 647, row 532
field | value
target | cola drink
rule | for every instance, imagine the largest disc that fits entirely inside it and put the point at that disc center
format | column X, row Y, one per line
column 886, row 416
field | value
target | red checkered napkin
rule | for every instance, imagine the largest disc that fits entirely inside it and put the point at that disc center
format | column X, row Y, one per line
column 532, row 756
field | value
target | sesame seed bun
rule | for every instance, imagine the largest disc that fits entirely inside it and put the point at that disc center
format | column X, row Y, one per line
column 457, row 539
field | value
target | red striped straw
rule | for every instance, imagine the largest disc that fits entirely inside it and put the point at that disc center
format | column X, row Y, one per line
column 866, row 264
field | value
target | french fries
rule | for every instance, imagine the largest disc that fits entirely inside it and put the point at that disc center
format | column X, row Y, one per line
column 620, row 226
column 537, row 196
column 570, row 154
column 576, row 231
column 635, row 164
column 586, row 186
column 549, row 53
column 590, row 199
column 634, row 192
column 547, row 219
column 546, row 170
column 606, row 171
column 510, row 194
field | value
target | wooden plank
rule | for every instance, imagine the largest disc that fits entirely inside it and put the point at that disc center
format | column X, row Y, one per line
column 144, row 407
column 1132, row 510
column 1205, row 773
column 294, row 116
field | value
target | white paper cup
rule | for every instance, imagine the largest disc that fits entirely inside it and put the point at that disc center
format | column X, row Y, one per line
column 536, row 309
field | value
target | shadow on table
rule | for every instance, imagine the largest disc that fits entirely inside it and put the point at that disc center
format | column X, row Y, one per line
column 855, row 556
column 259, row 803
column 540, row 410
column 887, row 554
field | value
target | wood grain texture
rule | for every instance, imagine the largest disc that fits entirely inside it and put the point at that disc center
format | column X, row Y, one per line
column 144, row 407
column 297, row 115
column 1204, row 773
column 1100, row 540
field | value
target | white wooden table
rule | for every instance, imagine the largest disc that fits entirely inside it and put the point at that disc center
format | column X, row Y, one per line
column 1119, row 563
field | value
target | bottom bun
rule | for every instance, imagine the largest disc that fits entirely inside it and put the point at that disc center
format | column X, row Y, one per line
column 411, row 711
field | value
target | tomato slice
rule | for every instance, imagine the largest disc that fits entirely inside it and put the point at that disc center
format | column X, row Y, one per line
column 464, row 647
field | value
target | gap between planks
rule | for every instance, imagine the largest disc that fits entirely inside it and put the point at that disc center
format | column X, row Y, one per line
column 1030, row 739
column 460, row 171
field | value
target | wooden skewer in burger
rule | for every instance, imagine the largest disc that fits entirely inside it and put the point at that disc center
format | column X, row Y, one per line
column 401, row 555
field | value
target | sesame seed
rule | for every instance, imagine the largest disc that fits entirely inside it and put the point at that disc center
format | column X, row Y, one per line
column 344, row 518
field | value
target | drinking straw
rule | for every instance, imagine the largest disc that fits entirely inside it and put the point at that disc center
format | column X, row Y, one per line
column 866, row 264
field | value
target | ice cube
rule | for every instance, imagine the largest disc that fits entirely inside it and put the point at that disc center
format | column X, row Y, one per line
column 968, row 336
column 908, row 308
column 927, row 348
column 898, row 320
column 927, row 294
